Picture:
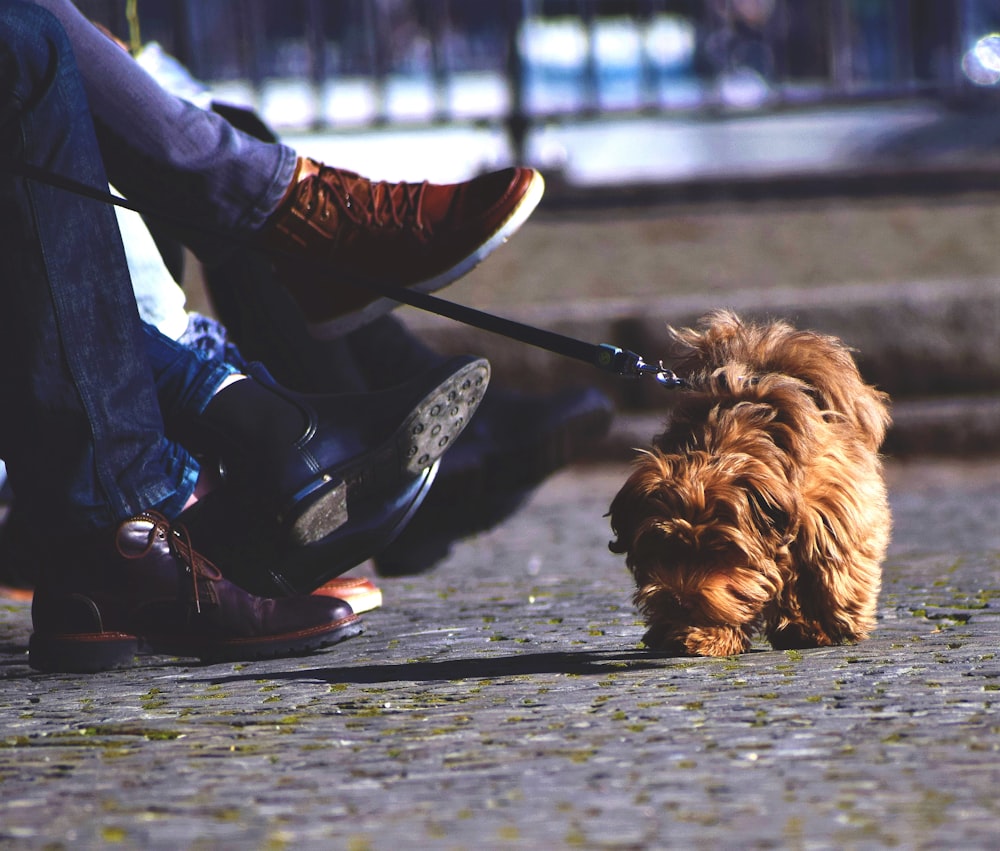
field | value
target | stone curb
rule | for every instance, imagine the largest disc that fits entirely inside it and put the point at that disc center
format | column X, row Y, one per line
column 934, row 346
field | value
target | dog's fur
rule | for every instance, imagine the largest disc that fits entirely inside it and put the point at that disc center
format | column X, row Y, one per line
column 763, row 505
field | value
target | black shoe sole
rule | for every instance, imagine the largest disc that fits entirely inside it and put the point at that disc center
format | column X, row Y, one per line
column 94, row 652
column 439, row 418
column 372, row 528
column 485, row 481
column 258, row 559
column 276, row 647
column 426, row 432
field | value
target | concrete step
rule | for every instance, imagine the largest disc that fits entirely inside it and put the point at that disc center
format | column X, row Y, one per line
column 934, row 346
column 948, row 427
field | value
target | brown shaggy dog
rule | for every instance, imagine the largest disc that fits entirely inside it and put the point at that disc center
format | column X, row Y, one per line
column 762, row 506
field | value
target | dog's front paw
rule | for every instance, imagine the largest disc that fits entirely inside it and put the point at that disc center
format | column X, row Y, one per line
column 697, row 641
column 799, row 635
column 664, row 640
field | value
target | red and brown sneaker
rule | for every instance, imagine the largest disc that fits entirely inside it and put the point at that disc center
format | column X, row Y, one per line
column 336, row 230
column 153, row 592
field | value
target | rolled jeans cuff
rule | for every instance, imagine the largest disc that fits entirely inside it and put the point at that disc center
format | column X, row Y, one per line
column 186, row 380
column 182, row 468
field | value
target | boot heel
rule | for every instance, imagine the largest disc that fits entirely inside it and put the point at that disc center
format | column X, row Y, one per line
column 318, row 510
column 82, row 653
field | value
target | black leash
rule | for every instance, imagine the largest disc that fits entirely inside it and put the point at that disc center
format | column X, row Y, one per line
column 602, row 355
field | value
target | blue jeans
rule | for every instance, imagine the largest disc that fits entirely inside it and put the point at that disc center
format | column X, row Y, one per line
column 84, row 384
column 164, row 151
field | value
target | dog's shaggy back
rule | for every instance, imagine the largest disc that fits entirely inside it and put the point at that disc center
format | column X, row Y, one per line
column 823, row 363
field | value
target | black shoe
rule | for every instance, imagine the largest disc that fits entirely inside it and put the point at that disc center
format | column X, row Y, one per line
column 515, row 442
column 354, row 448
column 253, row 555
column 147, row 588
column 260, row 560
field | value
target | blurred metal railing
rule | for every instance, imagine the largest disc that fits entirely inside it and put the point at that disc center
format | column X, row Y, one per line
column 520, row 63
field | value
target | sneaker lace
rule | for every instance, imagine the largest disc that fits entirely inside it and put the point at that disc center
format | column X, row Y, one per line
column 179, row 540
column 378, row 204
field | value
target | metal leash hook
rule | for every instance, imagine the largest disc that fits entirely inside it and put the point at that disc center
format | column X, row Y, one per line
column 629, row 364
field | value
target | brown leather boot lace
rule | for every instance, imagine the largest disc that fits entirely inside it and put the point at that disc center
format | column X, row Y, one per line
column 181, row 548
column 366, row 203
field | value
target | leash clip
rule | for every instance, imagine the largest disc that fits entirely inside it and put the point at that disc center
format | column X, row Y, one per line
column 663, row 376
column 631, row 365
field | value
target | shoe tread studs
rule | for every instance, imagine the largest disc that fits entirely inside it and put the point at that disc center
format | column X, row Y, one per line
column 441, row 417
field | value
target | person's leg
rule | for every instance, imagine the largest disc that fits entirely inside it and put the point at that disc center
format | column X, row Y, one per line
column 81, row 432
column 162, row 149
column 337, row 238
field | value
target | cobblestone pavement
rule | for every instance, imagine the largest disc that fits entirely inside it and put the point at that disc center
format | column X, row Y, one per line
column 501, row 701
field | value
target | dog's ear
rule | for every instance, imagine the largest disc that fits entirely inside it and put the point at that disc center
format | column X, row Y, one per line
column 769, row 515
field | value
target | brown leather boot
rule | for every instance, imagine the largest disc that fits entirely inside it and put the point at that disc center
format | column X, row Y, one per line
column 153, row 592
column 336, row 227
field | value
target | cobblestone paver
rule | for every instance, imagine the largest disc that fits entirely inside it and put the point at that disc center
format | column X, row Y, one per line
column 502, row 701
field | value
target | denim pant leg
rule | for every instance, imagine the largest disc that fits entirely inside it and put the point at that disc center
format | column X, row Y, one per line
column 185, row 379
column 81, row 428
column 162, row 150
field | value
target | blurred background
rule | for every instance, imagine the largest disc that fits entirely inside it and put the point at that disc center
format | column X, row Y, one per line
column 694, row 88
column 832, row 161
